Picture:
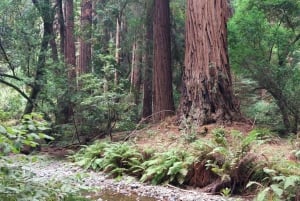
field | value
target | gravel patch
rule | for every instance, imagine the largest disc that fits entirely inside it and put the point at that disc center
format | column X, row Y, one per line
column 46, row 168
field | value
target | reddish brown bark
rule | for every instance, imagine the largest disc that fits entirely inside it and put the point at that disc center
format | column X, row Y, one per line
column 61, row 24
column 65, row 106
column 69, row 46
column 163, row 104
column 85, row 54
column 148, row 61
column 207, row 94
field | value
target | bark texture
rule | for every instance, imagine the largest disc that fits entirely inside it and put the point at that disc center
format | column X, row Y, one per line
column 65, row 106
column 136, row 78
column 148, row 61
column 85, row 54
column 69, row 40
column 207, row 95
column 163, row 104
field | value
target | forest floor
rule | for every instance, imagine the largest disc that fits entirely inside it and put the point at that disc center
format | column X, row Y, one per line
column 48, row 169
column 161, row 137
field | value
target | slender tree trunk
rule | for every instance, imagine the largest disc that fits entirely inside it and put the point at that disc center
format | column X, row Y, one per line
column 207, row 95
column 136, row 71
column 47, row 15
column 61, row 23
column 85, row 54
column 118, row 40
column 148, row 61
column 163, row 104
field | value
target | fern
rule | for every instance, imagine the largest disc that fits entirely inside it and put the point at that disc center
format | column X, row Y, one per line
column 90, row 156
column 168, row 167
column 119, row 159
column 281, row 187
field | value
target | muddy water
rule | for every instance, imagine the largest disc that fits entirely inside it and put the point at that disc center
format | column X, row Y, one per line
column 108, row 195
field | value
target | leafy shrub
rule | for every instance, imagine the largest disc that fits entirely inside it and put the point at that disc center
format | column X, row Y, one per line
column 121, row 158
column 116, row 159
column 281, row 187
column 101, row 104
column 29, row 132
column 230, row 159
column 18, row 185
column 15, row 183
column 168, row 167
column 89, row 156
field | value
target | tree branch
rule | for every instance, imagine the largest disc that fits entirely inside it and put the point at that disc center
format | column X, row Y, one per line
column 17, row 89
column 6, row 58
column 10, row 76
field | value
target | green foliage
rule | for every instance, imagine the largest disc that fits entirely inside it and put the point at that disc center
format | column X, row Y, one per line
column 89, row 156
column 16, row 184
column 100, row 104
column 264, row 46
column 115, row 158
column 229, row 157
column 29, row 132
column 281, row 187
column 167, row 167
column 121, row 158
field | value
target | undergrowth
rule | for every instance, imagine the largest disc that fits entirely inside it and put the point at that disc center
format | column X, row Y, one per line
column 228, row 155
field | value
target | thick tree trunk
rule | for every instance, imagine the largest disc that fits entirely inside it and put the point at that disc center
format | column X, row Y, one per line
column 163, row 104
column 69, row 46
column 65, row 106
column 148, row 62
column 207, row 95
column 85, row 54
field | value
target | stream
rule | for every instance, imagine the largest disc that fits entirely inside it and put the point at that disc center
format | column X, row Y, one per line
column 46, row 168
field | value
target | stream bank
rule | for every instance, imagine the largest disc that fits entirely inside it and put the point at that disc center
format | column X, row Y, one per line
column 46, row 168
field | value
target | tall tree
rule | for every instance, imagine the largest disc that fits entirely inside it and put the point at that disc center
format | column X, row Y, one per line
column 207, row 95
column 163, row 104
column 148, row 60
column 85, row 44
column 69, row 40
column 67, row 45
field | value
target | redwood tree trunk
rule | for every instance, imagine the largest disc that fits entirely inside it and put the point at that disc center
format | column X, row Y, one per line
column 69, row 46
column 148, row 62
column 207, row 95
column 65, row 105
column 163, row 104
column 85, row 44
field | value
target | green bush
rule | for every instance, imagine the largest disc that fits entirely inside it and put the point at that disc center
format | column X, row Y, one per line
column 116, row 159
column 167, row 167
column 229, row 157
column 281, row 186
column 90, row 156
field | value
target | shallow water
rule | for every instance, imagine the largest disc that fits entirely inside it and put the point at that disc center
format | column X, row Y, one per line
column 108, row 195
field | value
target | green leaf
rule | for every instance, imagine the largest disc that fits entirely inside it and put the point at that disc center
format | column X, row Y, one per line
column 2, row 130
column 262, row 196
column 291, row 181
column 277, row 190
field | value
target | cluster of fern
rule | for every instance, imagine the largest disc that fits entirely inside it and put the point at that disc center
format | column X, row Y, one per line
column 118, row 159
column 227, row 155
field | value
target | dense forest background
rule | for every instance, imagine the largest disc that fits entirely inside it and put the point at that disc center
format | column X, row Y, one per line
column 94, row 66
column 156, row 71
